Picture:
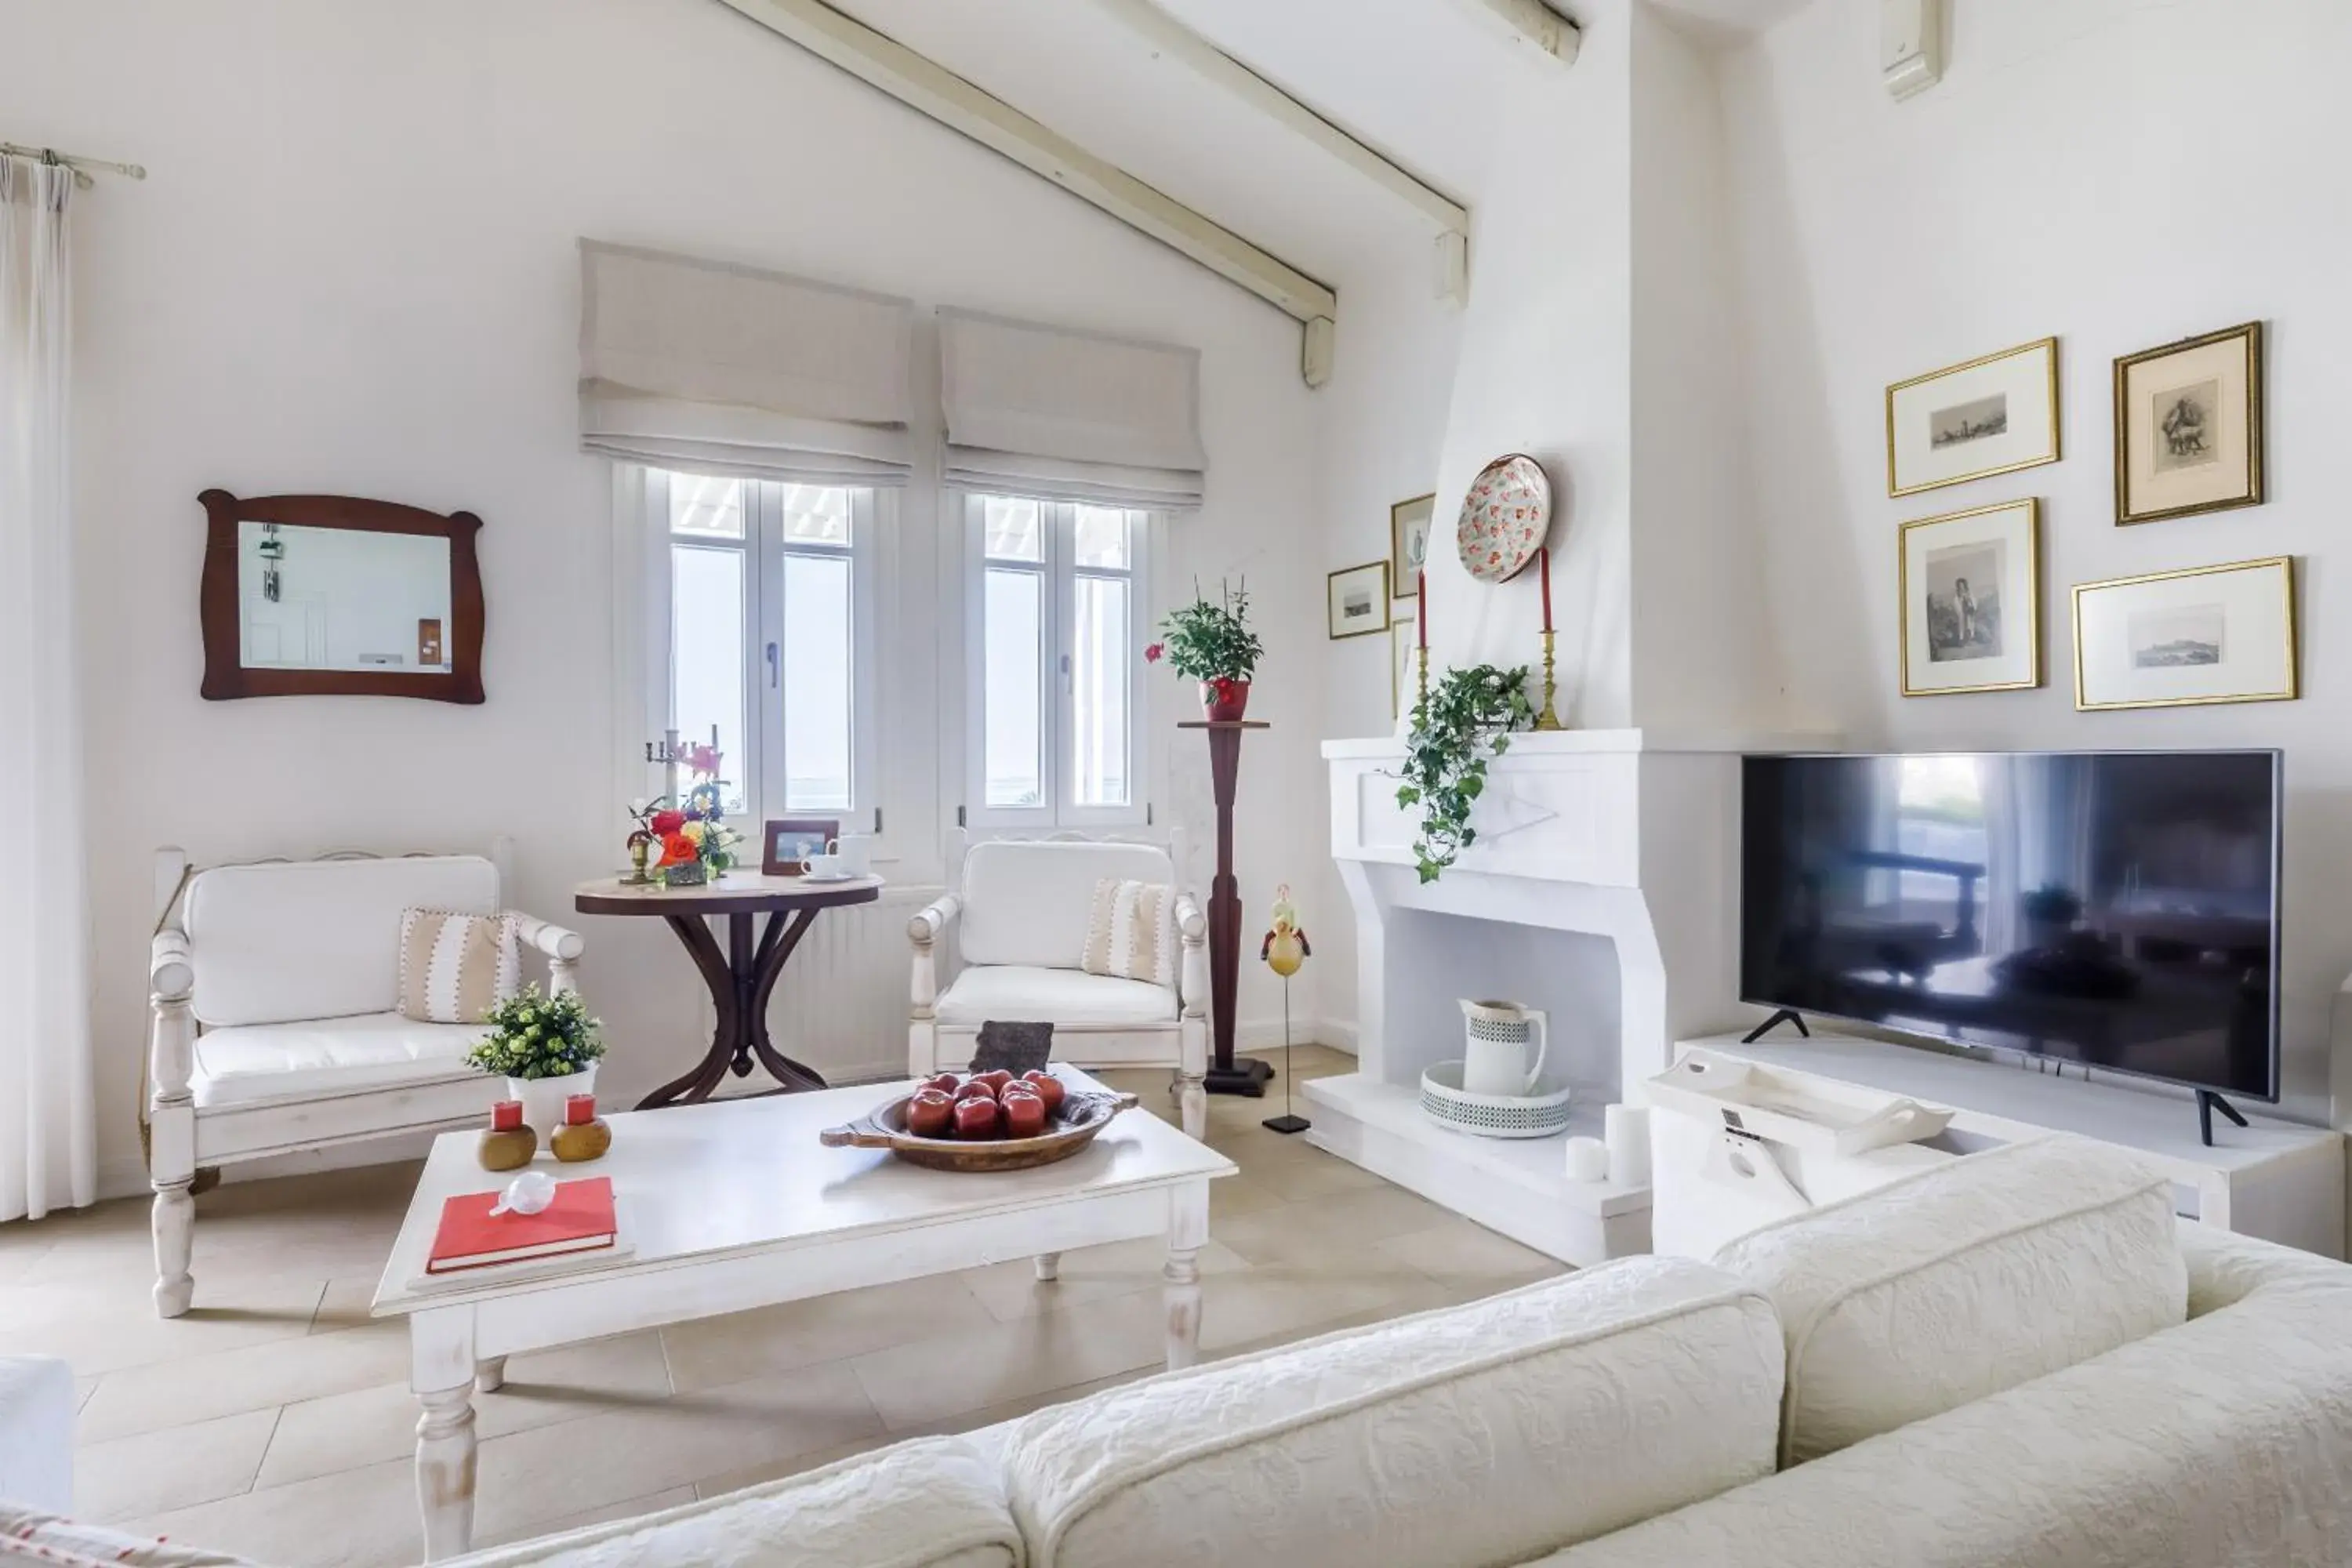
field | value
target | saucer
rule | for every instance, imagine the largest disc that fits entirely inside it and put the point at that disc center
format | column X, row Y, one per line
column 813, row 877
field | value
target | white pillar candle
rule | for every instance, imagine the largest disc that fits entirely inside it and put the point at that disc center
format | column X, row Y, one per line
column 1626, row 1130
column 1587, row 1160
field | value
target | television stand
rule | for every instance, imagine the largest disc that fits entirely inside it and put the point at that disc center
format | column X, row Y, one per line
column 2208, row 1102
column 1789, row 1016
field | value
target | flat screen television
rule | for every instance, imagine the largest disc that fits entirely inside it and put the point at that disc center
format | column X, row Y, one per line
column 2119, row 909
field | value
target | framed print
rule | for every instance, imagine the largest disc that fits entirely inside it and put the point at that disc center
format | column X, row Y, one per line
column 1409, row 542
column 1359, row 596
column 1972, row 600
column 2188, row 427
column 2211, row 633
column 1402, row 630
column 786, row 844
column 1991, row 416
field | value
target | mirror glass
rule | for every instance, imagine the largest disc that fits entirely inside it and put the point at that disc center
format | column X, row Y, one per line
column 338, row 598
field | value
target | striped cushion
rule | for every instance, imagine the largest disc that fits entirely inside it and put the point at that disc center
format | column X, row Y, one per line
column 456, row 968
column 1131, row 932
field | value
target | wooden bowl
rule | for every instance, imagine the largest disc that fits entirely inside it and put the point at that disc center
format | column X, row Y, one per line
column 1071, row 1128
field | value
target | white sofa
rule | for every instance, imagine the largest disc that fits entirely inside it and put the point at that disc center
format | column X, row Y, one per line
column 274, row 1027
column 1006, row 942
column 2109, row 1389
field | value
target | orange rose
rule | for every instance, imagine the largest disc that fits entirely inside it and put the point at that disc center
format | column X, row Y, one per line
column 678, row 849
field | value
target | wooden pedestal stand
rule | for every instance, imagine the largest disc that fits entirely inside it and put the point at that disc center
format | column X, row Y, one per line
column 1227, row 1073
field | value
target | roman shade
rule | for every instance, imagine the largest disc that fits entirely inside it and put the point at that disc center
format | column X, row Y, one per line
column 716, row 368
column 1045, row 411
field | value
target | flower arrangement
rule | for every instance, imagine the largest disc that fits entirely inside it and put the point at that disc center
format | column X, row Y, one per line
column 1458, row 726
column 691, row 831
column 1213, row 644
column 534, row 1035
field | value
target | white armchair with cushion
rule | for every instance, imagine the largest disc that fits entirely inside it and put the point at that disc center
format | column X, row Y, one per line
column 1016, row 917
column 275, row 1023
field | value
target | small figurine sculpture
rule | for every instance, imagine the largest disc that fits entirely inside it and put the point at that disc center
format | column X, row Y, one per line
column 1284, row 951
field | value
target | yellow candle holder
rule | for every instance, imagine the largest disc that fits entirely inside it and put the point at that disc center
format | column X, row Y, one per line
column 1548, row 719
column 1421, row 676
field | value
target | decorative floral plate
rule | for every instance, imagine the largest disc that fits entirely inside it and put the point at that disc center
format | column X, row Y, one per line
column 1504, row 518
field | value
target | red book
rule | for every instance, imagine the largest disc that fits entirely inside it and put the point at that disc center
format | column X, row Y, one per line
column 579, row 1220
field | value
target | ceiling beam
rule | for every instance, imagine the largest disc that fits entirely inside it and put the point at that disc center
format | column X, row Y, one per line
column 923, row 84
column 1183, row 44
column 1536, row 24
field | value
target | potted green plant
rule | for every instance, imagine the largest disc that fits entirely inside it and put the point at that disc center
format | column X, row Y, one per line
column 547, row 1047
column 1213, row 644
column 1464, row 721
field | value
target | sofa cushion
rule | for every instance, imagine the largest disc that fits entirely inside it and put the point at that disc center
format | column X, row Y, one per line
column 317, row 939
column 265, row 1061
column 933, row 1502
column 1025, row 901
column 1131, row 932
column 1962, row 1281
column 1475, row 1435
column 29, row 1535
column 454, row 968
column 1015, row 993
column 2225, row 1441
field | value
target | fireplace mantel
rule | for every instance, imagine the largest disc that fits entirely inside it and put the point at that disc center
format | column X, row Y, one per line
column 1626, row 837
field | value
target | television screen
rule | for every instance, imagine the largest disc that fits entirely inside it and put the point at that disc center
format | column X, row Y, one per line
column 2115, row 908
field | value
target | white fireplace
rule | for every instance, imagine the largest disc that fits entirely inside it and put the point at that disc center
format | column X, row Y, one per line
column 1603, row 887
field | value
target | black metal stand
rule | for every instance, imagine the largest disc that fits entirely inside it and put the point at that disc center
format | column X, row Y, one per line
column 2209, row 1102
column 1786, row 1015
column 1289, row 1120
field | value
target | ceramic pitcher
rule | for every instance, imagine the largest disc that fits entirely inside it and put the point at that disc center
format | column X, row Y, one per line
column 1496, row 1059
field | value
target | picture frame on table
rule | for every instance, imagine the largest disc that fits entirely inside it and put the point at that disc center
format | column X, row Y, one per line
column 786, row 842
column 1357, row 599
column 1408, row 526
column 2188, row 427
column 1970, row 606
column 1990, row 416
column 2204, row 634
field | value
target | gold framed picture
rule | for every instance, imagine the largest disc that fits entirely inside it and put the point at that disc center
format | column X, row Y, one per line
column 1403, row 633
column 1972, row 600
column 1409, row 523
column 2207, row 634
column 1991, row 416
column 1359, row 599
column 2188, row 427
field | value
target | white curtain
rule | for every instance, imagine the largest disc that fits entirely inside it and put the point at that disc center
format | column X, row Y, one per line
column 48, row 1130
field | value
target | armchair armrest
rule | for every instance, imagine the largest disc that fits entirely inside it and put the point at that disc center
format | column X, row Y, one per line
column 561, row 947
column 932, row 921
column 171, row 969
column 1190, row 924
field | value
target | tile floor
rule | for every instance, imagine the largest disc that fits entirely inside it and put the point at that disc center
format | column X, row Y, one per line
column 274, row 1420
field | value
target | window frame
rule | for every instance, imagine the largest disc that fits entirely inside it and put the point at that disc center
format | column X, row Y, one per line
column 1059, row 571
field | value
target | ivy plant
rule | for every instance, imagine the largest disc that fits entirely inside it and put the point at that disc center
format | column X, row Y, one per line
column 1465, row 720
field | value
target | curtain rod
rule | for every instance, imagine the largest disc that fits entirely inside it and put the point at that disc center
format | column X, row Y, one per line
column 80, row 166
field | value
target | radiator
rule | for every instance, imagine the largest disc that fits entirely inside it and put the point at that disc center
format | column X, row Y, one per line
column 841, row 1004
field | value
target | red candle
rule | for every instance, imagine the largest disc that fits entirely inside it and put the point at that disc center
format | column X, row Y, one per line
column 579, row 1109
column 1543, row 557
column 1421, row 608
column 505, row 1116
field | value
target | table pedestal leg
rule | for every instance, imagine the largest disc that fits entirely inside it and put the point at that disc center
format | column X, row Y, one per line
column 1187, row 1232
column 741, row 980
column 445, row 1472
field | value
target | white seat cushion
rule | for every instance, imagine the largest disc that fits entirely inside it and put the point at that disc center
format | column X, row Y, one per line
column 1025, row 902
column 1463, row 1439
column 1016, row 993
column 1962, row 1281
column 317, row 939
column 932, row 1503
column 326, row 1055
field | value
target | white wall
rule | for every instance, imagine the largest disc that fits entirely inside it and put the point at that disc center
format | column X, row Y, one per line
column 352, row 270
column 2121, row 173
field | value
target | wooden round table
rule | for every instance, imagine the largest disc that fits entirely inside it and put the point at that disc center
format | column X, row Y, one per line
column 740, row 978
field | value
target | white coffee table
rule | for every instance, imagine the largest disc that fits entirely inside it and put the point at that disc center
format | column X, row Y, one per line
column 732, row 1204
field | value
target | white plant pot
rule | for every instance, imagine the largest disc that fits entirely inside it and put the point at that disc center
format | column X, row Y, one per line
column 542, row 1098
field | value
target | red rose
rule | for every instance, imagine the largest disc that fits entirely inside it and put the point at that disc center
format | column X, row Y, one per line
column 678, row 849
column 666, row 822
column 1151, row 654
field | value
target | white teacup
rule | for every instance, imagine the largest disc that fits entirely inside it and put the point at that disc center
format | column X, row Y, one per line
column 826, row 867
column 854, row 851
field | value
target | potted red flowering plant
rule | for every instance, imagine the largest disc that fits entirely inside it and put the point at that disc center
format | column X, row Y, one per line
column 686, row 842
column 1213, row 644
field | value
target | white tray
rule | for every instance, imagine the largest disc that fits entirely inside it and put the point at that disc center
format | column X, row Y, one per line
column 1446, row 1102
column 1807, row 1115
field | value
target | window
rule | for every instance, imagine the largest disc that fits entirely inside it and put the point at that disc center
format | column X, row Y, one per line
column 771, row 637
column 1057, row 609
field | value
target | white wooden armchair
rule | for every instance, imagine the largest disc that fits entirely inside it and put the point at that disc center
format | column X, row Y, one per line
column 273, row 1022
column 1016, row 916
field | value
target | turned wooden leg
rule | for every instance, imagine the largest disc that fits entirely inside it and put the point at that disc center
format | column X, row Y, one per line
column 491, row 1376
column 172, row 1152
column 445, row 1472
column 1187, row 1232
column 1193, row 1105
column 1049, row 1267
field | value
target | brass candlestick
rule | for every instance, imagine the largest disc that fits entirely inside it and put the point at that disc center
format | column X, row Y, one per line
column 1549, row 719
column 1421, row 676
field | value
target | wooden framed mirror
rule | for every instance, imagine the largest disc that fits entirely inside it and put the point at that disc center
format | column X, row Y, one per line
column 332, row 596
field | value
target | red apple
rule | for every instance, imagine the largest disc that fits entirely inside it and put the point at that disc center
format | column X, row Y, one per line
column 978, row 1118
column 1049, row 1089
column 947, row 1083
column 930, row 1113
column 977, row 1088
column 1024, row 1114
column 995, row 1078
